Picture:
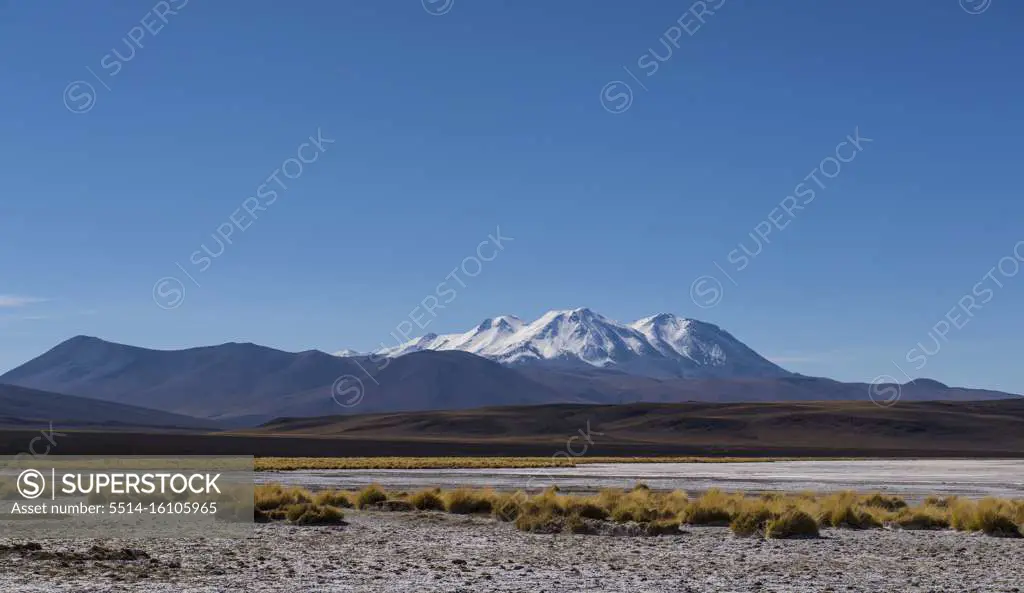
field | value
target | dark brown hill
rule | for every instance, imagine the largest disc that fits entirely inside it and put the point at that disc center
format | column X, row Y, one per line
column 990, row 426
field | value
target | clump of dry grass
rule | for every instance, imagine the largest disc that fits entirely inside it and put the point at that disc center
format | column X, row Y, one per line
column 275, row 496
column 585, row 507
column 924, row 517
column 333, row 498
column 427, row 500
column 636, row 506
column 547, row 503
column 274, row 502
column 776, row 517
column 1017, row 511
column 714, row 507
column 609, row 497
column 751, row 520
column 370, row 496
column 550, row 512
column 672, row 504
column 792, row 523
column 989, row 515
column 507, row 506
column 845, row 510
column 315, row 514
column 883, row 501
column 542, row 520
column 464, row 501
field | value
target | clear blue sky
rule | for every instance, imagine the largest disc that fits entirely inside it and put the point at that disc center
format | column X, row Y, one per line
column 490, row 115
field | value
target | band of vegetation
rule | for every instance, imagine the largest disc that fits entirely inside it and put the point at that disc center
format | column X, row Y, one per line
column 313, row 463
column 641, row 511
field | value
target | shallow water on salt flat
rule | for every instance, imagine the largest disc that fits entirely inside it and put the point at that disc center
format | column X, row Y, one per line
column 909, row 477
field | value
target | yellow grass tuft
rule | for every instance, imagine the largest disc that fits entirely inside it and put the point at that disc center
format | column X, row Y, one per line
column 275, row 496
column 465, row 501
column 370, row 496
column 923, row 517
column 585, row 507
column 990, row 515
column 333, row 498
column 752, row 520
column 883, row 501
column 792, row 523
column 427, row 500
column 314, row 514
column 845, row 509
column 638, row 505
column 714, row 507
column 507, row 506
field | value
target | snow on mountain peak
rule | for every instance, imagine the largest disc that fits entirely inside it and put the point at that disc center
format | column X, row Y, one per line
column 660, row 345
column 695, row 340
column 503, row 323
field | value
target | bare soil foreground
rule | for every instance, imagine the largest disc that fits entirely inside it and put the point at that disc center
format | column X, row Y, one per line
column 414, row 552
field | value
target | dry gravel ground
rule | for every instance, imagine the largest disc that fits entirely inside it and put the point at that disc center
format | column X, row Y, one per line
column 409, row 553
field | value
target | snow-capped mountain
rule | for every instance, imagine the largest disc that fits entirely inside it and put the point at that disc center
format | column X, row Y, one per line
column 659, row 346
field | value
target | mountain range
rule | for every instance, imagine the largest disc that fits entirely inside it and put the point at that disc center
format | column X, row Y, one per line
column 575, row 356
column 242, row 383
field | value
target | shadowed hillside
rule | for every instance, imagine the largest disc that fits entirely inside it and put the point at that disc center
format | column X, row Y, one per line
column 21, row 407
column 855, row 426
column 811, row 429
